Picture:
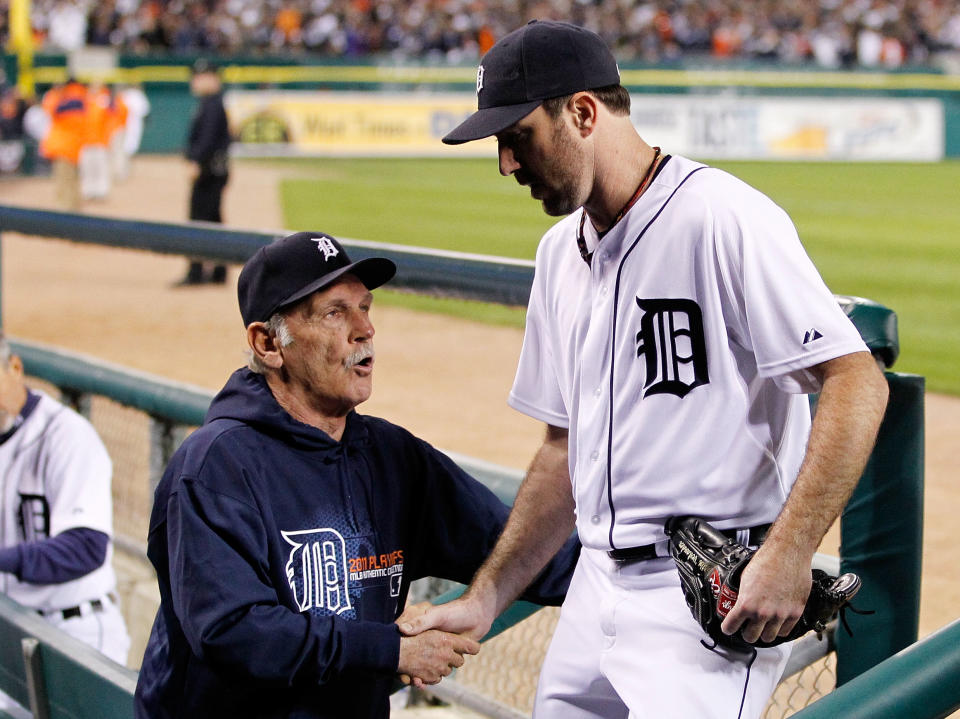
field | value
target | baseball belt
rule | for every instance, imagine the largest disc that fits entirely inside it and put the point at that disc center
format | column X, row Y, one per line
column 629, row 555
column 96, row 605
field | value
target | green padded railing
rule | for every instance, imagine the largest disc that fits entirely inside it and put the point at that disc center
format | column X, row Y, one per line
column 919, row 682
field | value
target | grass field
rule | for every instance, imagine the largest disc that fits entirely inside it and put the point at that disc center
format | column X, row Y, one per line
column 889, row 232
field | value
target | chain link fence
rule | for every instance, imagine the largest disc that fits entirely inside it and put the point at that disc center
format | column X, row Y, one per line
column 504, row 674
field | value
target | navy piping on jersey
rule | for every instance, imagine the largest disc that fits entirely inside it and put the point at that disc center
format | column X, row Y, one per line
column 613, row 355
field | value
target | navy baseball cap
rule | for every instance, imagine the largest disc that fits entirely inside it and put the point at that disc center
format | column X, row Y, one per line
column 297, row 265
column 541, row 60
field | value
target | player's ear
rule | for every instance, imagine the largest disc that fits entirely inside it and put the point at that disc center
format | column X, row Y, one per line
column 264, row 344
column 583, row 107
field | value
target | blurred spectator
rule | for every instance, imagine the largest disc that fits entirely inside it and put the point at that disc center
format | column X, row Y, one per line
column 883, row 33
column 67, row 28
column 138, row 107
column 66, row 106
column 12, row 110
column 117, row 114
column 94, row 158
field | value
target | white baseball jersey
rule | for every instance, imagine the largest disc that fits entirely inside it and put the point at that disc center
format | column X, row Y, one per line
column 56, row 476
column 677, row 359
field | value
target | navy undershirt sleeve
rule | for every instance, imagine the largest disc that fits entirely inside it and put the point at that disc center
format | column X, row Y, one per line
column 70, row 555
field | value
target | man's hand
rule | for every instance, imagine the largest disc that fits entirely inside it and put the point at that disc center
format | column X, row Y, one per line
column 464, row 615
column 459, row 618
column 428, row 657
column 774, row 588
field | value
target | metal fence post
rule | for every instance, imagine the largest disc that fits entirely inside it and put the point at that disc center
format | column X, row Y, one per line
column 36, row 686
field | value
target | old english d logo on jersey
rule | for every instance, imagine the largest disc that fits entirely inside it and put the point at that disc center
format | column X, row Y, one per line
column 317, row 570
column 672, row 341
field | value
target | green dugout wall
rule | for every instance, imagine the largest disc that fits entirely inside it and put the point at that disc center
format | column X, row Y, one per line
column 166, row 81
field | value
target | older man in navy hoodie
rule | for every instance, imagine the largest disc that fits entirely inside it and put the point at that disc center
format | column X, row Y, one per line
column 287, row 529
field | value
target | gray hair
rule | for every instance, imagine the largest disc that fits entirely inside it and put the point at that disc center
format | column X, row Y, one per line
column 276, row 325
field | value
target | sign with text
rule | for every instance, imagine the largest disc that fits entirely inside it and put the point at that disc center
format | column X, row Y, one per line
column 337, row 123
column 699, row 126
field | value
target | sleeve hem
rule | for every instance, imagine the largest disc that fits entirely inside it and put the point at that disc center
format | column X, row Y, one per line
column 551, row 418
column 371, row 645
column 809, row 359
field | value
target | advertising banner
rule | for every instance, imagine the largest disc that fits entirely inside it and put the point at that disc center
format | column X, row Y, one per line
column 801, row 128
column 353, row 124
column 306, row 123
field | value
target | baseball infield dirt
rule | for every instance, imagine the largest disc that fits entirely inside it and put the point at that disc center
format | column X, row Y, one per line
column 445, row 379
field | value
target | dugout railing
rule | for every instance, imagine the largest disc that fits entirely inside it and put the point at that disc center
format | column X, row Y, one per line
column 884, row 519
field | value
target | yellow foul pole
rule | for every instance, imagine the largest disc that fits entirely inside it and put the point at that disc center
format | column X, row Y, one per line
column 21, row 39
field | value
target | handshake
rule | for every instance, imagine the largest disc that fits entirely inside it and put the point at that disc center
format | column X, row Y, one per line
column 435, row 638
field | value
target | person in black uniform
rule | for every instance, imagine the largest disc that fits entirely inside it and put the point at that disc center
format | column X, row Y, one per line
column 287, row 529
column 207, row 145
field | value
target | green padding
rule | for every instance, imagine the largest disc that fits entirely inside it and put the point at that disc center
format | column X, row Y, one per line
column 75, row 692
column 877, row 325
column 13, row 678
column 918, row 683
column 882, row 536
column 163, row 398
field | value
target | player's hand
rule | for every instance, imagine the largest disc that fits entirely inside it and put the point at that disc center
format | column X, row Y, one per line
column 774, row 588
column 428, row 657
column 464, row 615
column 413, row 610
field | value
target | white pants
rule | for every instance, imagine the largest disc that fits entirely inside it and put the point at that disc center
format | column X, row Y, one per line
column 104, row 630
column 94, row 172
column 626, row 646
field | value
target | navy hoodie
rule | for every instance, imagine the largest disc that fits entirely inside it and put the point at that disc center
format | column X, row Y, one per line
column 284, row 557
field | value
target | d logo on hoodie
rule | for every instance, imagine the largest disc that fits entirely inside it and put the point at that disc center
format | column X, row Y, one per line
column 317, row 569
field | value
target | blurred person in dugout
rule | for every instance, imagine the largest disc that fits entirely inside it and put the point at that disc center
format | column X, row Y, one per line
column 94, row 160
column 66, row 107
column 208, row 145
column 57, row 516
column 287, row 529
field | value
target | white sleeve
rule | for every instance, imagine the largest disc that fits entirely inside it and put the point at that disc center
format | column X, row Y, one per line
column 76, row 476
column 536, row 389
column 789, row 318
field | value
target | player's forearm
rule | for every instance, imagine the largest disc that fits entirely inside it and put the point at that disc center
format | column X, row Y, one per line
column 849, row 411
column 541, row 520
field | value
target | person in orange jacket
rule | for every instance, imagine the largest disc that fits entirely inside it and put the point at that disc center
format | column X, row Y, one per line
column 66, row 106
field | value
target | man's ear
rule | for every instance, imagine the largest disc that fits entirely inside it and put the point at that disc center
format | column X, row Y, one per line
column 583, row 107
column 263, row 343
column 15, row 364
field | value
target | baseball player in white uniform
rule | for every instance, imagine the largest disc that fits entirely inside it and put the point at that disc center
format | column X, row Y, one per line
column 675, row 326
column 57, row 525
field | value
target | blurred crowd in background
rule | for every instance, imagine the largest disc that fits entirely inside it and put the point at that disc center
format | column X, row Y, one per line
column 824, row 33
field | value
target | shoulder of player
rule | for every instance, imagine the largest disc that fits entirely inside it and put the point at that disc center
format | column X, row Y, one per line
column 51, row 417
column 707, row 191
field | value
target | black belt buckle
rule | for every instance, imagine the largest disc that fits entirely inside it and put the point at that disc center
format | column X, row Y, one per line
column 70, row 612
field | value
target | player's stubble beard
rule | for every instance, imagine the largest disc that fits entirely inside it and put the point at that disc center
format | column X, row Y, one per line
column 564, row 170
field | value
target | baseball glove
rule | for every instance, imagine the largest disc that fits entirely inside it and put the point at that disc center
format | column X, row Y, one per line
column 710, row 565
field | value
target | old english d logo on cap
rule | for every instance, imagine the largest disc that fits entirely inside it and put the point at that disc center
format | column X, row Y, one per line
column 536, row 62
column 289, row 269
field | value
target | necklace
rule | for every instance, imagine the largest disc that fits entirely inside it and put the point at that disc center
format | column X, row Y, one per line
column 644, row 182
